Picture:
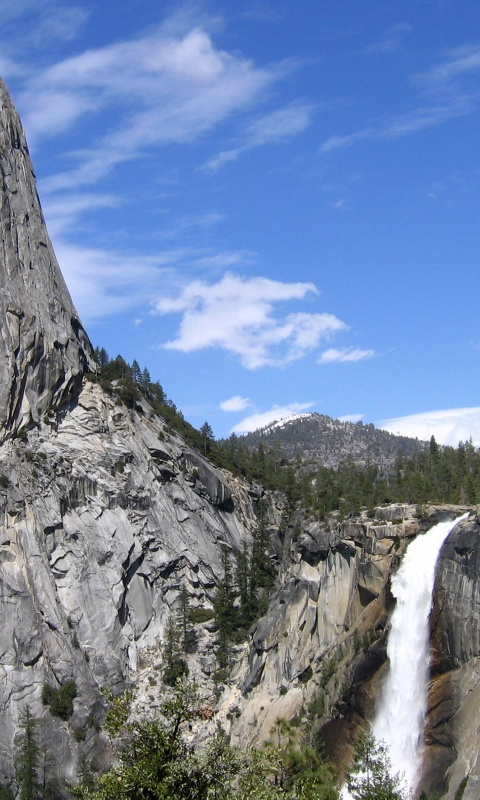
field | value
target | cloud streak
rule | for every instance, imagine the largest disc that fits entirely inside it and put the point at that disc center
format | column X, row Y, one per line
column 349, row 354
column 445, row 96
column 276, row 127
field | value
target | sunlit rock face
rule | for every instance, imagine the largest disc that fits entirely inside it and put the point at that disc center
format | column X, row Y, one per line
column 44, row 350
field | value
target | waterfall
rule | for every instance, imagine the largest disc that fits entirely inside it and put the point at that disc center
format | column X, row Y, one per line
column 401, row 712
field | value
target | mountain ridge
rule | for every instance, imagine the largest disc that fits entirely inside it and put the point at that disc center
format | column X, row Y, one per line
column 324, row 441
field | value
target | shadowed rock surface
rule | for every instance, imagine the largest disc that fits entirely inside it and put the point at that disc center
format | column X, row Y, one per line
column 452, row 735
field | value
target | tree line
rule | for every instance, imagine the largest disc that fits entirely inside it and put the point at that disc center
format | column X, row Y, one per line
column 435, row 474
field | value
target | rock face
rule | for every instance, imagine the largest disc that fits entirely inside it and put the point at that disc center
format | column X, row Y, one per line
column 44, row 350
column 105, row 515
column 332, row 606
column 452, row 735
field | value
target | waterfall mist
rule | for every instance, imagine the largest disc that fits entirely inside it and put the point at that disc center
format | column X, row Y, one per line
column 401, row 712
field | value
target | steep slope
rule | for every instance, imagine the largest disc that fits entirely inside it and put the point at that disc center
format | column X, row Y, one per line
column 44, row 350
column 106, row 515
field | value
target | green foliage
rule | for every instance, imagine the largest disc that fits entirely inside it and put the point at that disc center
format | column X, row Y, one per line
column 27, row 757
column 461, row 788
column 371, row 776
column 173, row 665
column 6, row 792
column 156, row 760
column 329, row 668
column 60, row 701
column 199, row 615
column 4, row 482
column 188, row 634
column 118, row 710
column 225, row 611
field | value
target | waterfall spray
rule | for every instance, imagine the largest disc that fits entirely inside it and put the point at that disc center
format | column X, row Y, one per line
column 401, row 712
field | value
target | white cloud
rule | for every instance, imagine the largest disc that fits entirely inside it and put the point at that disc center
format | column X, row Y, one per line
column 275, row 127
column 236, row 315
column 449, row 427
column 236, row 403
column 351, row 418
column 163, row 88
column 348, row 354
column 262, row 418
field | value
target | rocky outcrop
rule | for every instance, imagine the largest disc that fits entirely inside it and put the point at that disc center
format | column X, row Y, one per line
column 104, row 515
column 44, row 350
column 317, row 640
column 452, row 735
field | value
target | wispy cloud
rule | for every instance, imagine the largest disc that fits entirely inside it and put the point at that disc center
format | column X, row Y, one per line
column 273, row 128
column 462, row 61
column 159, row 89
column 104, row 282
column 444, row 96
column 236, row 403
column 349, row 354
column 404, row 124
column 237, row 315
column 275, row 414
column 392, row 39
column 449, row 426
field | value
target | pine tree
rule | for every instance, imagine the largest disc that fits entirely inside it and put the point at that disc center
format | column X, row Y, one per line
column 262, row 570
column 174, row 666
column 28, row 756
column 188, row 634
column 226, row 615
column 207, row 436
column 371, row 776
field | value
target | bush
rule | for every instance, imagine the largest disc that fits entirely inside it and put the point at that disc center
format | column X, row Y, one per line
column 199, row 615
column 60, row 701
column 176, row 669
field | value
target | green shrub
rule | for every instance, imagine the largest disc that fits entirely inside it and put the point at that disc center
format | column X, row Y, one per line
column 199, row 615
column 60, row 701
column 306, row 675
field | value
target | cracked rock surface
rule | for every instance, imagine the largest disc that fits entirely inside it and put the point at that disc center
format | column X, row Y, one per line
column 44, row 350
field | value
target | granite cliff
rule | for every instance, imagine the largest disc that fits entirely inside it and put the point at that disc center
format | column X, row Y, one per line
column 43, row 349
column 106, row 514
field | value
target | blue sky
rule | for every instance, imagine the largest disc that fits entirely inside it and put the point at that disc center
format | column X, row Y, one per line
column 273, row 206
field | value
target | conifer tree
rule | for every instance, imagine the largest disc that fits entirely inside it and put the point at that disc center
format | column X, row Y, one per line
column 174, row 666
column 226, row 615
column 27, row 757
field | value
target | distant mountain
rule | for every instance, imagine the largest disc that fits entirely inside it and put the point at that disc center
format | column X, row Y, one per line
column 323, row 441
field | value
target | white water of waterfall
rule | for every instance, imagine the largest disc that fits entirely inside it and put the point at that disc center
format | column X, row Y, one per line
column 401, row 712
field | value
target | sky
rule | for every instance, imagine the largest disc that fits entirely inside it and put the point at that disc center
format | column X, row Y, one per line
column 273, row 206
